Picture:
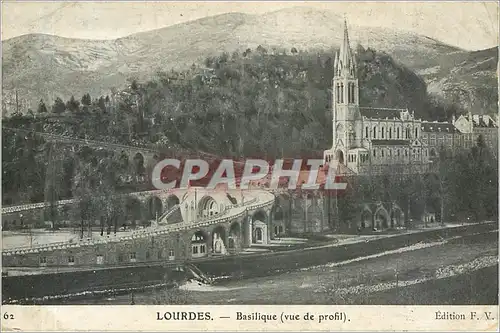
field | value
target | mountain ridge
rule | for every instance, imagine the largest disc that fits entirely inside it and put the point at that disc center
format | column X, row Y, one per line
column 42, row 66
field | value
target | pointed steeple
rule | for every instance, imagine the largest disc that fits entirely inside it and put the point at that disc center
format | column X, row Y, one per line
column 346, row 63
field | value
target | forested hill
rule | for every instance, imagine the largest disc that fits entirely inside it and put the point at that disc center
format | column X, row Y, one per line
column 241, row 104
column 276, row 104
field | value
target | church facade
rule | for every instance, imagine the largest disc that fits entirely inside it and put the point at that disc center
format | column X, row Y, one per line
column 376, row 140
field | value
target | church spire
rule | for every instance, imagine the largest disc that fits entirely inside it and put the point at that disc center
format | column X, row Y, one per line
column 346, row 64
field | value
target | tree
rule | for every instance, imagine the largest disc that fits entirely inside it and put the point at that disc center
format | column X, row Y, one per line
column 53, row 183
column 73, row 105
column 85, row 187
column 347, row 204
column 58, row 106
column 294, row 51
column 133, row 85
column 261, row 50
column 41, row 107
column 86, row 100
column 102, row 104
column 247, row 52
column 112, row 205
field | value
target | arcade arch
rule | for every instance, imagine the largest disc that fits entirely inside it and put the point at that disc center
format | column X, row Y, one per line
column 234, row 241
column 155, row 208
column 281, row 213
column 124, row 161
column 259, row 227
column 219, row 240
column 340, row 156
column 139, row 168
column 133, row 210
column 366, row 219
column 278, row 227
column 397, row 217
column 171, row 202
column 208, row 207
column 381, row 218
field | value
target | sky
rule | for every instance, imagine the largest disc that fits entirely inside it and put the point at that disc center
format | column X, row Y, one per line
column 469, row 25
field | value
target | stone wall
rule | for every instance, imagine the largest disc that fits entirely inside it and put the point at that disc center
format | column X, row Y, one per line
column 113, row 253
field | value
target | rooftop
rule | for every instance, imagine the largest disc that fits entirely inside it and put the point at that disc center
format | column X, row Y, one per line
column 381, row 113
column 391, row 142
column 441, row 127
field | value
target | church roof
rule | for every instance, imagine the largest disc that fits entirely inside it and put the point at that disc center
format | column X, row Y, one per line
column 482, row 121
column 391, row 142
column 440, row 127
column 380, row 113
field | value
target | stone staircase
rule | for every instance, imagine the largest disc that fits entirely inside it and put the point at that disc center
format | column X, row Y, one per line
column 171, row 214
column 199, row 274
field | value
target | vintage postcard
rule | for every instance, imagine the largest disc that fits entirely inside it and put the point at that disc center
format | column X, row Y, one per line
column 250, row 166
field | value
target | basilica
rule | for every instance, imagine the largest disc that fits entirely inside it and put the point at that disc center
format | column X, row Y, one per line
column 376, row 140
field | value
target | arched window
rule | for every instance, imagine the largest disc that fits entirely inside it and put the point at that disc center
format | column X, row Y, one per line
column 374, row 153
column 367, row 134
column 382, row 152
column 349, row 92
column 374, row 132
column 397, row 133
column 338, row 92
column 416, row 132
column 341, row 93
column 382, row 134
column 390, row 132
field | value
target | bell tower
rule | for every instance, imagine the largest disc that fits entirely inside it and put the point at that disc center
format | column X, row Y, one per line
column 345, row 101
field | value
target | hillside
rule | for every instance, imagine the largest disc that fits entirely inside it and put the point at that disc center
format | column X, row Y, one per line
column 468, row 79
column 42, row 66
column 241, row 105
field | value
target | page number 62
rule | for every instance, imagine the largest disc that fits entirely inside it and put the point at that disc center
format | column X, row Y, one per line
column 8, row 316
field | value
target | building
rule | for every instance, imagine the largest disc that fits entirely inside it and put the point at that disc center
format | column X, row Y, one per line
column 374, row 140
column 473, row 126
column 437, row 135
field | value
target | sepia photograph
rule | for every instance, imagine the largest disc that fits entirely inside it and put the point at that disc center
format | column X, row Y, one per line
column 250, row 153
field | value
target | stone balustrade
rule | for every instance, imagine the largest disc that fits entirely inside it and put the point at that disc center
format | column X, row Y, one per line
column 231, row 212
